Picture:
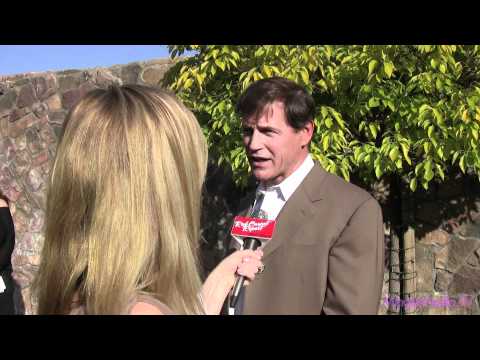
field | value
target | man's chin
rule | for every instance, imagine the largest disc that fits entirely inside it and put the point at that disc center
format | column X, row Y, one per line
column 261, row 175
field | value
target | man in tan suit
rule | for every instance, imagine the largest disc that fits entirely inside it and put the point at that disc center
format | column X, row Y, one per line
column 326, row 255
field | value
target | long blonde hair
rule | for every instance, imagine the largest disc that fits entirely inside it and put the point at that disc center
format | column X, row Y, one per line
column 123, row 204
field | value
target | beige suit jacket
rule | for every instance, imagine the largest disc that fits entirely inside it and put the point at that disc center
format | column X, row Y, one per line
column 326, row 255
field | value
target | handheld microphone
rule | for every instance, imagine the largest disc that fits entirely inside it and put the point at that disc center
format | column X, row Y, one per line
column 249, row 244
column 252, row 229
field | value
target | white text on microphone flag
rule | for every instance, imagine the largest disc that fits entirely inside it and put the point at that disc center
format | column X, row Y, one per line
column 253, row 227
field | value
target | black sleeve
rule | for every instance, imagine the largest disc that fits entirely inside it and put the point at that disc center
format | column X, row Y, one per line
column 7, row 237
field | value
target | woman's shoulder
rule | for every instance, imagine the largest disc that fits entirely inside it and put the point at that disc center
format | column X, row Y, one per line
column 148, row 305
column 3, row 203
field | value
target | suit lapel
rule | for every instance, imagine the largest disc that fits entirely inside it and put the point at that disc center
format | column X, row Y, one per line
column 297, row 210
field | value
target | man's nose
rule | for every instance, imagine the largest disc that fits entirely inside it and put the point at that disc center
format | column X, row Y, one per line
column 255, row 143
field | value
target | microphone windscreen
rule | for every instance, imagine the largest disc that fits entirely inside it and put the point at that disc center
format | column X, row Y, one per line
column 253, row 227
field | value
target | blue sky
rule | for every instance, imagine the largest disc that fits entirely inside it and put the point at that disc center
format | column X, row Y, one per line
column 17, row 59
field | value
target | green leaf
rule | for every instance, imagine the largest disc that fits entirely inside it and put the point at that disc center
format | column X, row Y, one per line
column 455, row 155
column 356, row 153
column 440, row 153
column 362, row 157
column 418, row 168
column 440, row 171
column 257, row 76
column 325, row 143
column 373, row 130
column 267, row 70
column 471, row 101
column 338, row 118
column 305, row 77
column 426, row 147
column 346, row 59
column 405, row 149
column 428, row 165
column 394, row 154
column 226, row 128
column 220, row 64
column 199, row 79
column 371, row 66
column 390, row 104
column 439, row 84
column 345, row 174
column 188, row 83
column 431, row 128
column 438, row 115
column 388, row 67
column 378, row 171
column 462, row 163
column 425, row 184
column 413, row 184
column 443, row 68
column 213, row 70
column 362, row 125
column 324, row 111
column 373, row 102
column 276, row 70
column 322, row 84
column 333, row 167
column 428, row 175
column 328, row 122
column 474, row 133
column 424, row 108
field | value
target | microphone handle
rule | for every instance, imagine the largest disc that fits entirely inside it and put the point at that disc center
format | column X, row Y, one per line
column 249, row 244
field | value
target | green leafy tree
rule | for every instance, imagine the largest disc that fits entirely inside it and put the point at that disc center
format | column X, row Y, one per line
column 411, row 111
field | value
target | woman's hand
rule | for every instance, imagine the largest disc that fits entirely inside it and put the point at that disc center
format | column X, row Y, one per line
column 222, row 278
column 242, row 262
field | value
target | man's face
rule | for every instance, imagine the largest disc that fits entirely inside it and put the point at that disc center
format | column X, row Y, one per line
column 274, row 149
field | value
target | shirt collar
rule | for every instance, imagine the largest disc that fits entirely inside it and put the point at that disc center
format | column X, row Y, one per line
column 288, row 186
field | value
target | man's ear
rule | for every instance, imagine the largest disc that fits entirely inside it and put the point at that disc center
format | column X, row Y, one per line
column 308, row 133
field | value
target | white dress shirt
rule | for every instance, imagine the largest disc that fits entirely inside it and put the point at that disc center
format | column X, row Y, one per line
column 277, row 195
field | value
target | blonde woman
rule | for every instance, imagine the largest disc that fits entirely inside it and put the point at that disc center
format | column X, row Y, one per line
column 7, row 243
column 123, row 210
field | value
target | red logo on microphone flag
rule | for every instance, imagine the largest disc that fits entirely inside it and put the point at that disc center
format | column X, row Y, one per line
column 253, row 227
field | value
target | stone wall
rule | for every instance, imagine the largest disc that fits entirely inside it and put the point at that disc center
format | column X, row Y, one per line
column 446, row 222
column 448, row 246
column 32, row 110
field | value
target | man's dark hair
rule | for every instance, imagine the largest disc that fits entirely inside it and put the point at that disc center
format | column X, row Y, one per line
column 299, row 104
